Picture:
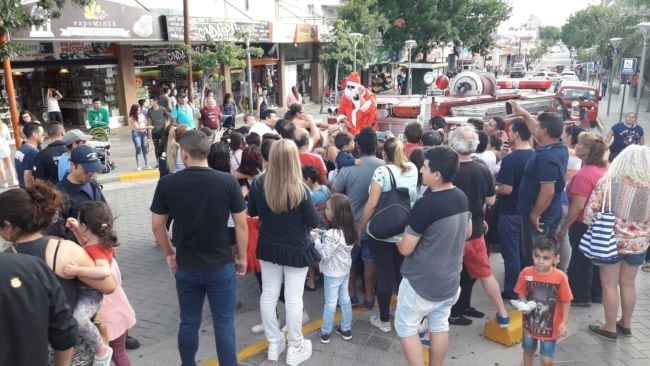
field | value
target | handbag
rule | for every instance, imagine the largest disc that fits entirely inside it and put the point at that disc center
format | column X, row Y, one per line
column 599, row 242
column 392, row 213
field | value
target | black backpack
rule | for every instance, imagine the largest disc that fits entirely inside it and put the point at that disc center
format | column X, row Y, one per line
column 392, row 212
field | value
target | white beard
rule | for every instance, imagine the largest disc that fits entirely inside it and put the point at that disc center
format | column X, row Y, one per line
column 353, row 94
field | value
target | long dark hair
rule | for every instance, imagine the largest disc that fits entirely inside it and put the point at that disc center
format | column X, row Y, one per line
column 97, row 216
column 30, row 209
column 293, row 111
column 133, row 112
column 225, row 99
column 343, row 217
column 219, row 157
column 251, row 161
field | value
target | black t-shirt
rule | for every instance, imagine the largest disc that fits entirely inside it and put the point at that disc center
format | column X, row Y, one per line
column 199, row 201
column 510, row 173
column 475, row 180
column 46, row 166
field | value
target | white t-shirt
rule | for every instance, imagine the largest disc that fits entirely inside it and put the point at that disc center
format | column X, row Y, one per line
column 490, row 159
column 53, row 105
column 261, row 128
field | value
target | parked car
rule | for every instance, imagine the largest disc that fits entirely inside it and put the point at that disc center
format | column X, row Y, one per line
column 576, row 96
column 518, row 71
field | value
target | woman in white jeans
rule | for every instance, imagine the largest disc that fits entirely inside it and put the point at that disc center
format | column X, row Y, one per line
column 283, row 203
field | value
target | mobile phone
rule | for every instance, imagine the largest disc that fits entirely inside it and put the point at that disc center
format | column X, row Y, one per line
column 508, row 108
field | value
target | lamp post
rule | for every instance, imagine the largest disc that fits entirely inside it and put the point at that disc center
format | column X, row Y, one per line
column 410, row 44
column 355, row 39
column 616, row 43
column 644, row 29
column 252, row 105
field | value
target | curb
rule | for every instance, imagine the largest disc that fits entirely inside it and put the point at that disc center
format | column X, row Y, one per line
column 133, row 176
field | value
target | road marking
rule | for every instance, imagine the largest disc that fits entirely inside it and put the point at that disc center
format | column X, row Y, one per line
column 261, row 346
column 145, row 174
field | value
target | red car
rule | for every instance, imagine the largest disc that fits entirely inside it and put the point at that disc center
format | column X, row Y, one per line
column 578, row 96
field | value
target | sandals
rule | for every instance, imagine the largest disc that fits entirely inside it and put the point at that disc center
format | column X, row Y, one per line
column 646, row 267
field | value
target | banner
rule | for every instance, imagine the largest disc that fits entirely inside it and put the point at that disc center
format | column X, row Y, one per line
column 306, row 33
column 205, row 29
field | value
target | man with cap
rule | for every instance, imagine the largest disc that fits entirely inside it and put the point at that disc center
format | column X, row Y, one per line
column 183, row 112
column 46, row 163
column 71, row 139
column 358, row 108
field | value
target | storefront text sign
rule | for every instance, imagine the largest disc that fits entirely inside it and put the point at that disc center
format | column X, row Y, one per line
column 306, row 33
column 100, row 20
column 205, row 29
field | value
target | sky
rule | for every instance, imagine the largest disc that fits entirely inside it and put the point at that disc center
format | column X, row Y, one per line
column 550, row 12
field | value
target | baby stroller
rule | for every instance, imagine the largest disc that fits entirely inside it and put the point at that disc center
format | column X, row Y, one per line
column 102, row 145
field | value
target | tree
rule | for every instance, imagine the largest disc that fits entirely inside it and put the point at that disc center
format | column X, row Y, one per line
column 13, row 17
column 549, row 34
column 364, row 17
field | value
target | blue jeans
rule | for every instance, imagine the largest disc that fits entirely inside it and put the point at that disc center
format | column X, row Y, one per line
column 509, row 227
column 336, row 288
column 546, row 347
column 140, row 143
column 220, row 286
column 528, row 234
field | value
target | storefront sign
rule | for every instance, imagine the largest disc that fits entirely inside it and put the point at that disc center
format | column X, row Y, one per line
column 174, row 55
column 100, row 20
column 67, row 51
column 205, row 29
column 306, row 33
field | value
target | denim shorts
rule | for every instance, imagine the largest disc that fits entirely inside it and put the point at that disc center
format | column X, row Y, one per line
column 630, row 259
column 546, row 347
column 411, row 309
column 363, row 251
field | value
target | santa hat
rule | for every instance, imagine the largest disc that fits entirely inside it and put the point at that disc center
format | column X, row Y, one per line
column 354, row 78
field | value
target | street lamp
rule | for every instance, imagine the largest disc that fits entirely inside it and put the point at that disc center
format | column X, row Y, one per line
column 644, row 29
column 355, row 39
column 410, row 44
column 616, row 43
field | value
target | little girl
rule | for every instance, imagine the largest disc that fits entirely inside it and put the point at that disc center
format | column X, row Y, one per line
column 335, row 247
column 94, row 231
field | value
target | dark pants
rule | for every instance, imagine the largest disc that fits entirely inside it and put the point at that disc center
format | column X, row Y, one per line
column 528, row 234
column 55, row 117
column 584, row 277
column 220, row 286
column 465, row 298
column 510, row 241
column 388, row 261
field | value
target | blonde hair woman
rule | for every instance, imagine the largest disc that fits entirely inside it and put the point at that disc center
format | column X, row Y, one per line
column 385, row 255
column 283, row 203
column 6, row 166
column 174, row 161
column 629, row 179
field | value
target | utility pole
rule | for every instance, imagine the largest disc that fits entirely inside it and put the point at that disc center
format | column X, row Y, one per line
column 11, row 95
column 186, row 38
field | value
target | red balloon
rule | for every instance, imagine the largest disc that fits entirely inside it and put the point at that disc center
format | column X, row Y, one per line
column 442, row 82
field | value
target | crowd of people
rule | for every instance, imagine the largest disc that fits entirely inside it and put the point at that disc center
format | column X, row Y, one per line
column 291, row 203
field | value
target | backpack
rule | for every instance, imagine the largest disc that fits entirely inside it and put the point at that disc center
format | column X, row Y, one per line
column 392, row 213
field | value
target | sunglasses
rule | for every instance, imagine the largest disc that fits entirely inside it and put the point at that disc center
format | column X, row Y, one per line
column 350, row 87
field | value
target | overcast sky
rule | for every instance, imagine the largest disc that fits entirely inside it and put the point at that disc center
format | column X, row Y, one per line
column 551, row 12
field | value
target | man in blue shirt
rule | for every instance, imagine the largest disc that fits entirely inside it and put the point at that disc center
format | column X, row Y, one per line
column 183, row 113
column 25, row 157
column 543, row 180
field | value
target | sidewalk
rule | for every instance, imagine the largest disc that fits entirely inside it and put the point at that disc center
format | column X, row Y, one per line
column 643, row 118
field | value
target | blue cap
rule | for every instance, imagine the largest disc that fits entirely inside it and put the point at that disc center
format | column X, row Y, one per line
column 86, row 156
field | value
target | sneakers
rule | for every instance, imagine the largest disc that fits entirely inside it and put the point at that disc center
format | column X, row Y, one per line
column 354, row 301
column 148, row 167
column 103, row 360
column 504, row 322
column 305, row 320
column 296, row 355
column 377, row 323
column 131, row 343
column 324, row 337
column 460, row 320
column 471, row 312
column 275, row 350
column 257, row 328
column 524, row 306
column 138, row 168
column 345, row 334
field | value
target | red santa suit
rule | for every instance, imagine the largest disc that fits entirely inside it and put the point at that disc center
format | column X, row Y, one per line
column 359, row 113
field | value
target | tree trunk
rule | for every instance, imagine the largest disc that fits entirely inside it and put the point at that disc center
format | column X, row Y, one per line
column 336, row 83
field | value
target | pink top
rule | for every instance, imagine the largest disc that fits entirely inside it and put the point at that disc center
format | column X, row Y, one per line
column 291, row 99
column 583, row 183
column 116, row 311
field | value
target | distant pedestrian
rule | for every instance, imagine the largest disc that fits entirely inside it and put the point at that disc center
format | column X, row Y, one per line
column 545, row 298
column 7, row 171
column 52, row 97
column 71, row 139
column 183, row 112
column 623, row 134
column 294, row 96
column 158, row 119
column 604, row 82
column 200, row 258
column 335, row 246
column 98, row 115
column 229, row 108
column 46, row 163
column 139, row 136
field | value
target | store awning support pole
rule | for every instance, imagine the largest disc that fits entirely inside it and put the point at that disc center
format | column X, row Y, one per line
column 186, row 37
column 11, row 95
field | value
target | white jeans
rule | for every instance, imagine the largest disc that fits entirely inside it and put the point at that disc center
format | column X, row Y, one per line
column 294, row 286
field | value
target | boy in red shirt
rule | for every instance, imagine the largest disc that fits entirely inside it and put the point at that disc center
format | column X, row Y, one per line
column 545, row 298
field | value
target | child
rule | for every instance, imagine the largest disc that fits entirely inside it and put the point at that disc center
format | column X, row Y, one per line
column 335, row 247
column 345, row 143
column 545, row 298
column 94, row 231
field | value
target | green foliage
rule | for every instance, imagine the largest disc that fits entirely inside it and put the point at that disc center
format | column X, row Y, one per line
column 14, row 17
column 337, row 48
column 550, row 34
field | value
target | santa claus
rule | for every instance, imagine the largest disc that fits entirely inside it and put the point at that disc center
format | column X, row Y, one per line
column 358, row 108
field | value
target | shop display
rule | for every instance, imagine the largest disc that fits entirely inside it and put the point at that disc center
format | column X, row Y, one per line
column 5, row 113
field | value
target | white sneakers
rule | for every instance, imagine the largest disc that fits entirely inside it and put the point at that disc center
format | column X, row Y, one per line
column 377, row 323
column 258, row 328
column 275, row 350
column 524, row 306
column 103, row 360
column 296, row 355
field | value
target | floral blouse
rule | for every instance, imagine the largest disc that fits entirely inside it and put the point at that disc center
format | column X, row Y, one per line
column 631, row 206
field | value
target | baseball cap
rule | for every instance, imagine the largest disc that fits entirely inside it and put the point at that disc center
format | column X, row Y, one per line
column 86, row 156
column 181, row 95
column 75, row 135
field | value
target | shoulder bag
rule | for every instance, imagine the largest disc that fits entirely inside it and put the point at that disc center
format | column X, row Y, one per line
column 599, row 242
column 392, row 212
